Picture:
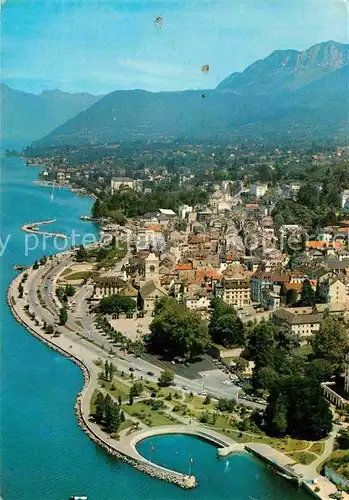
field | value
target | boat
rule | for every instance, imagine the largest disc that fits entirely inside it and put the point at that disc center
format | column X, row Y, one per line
column 74, row 497
column 20, row 267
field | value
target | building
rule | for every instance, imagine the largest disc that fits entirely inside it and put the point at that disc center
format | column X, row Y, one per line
column 105, row 286
column 151, row 268
column 302, row 321
column 258, row 190
column 271, row 299
column 149, row 293
column 197, row 303
column 121, row 182
column 183, row 210
column 345, row 198
column 261, row 281
column 235, row 291
column 332, row 290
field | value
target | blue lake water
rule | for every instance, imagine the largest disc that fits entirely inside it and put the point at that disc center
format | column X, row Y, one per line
column 44, row 454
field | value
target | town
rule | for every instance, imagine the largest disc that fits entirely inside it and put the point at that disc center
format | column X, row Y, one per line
column 227, row 287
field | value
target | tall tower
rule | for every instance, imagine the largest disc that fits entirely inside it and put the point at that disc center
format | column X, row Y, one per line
column 152, row 268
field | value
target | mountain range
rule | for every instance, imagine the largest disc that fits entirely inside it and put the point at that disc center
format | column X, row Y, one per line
column 27, row 117
column 289, row 94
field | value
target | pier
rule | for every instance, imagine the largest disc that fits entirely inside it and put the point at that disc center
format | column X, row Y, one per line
column 34, row 228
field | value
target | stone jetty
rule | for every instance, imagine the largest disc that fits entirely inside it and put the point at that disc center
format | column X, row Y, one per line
column 34, row 228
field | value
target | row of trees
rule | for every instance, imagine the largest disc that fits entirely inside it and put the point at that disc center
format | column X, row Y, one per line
column 107, row 413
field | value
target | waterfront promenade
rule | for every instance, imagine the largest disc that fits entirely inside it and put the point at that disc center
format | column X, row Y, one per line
column 84, row 354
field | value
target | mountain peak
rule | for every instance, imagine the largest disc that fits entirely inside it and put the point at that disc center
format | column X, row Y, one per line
column 287, row 70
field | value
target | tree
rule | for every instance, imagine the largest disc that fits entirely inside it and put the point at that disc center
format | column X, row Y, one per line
column 166, row 378
column 300, row 401
column 264, row 377
column 308, row 295
column 81, row 254
column 69, row 290
column 319, row 369
column 286, row 339
column 136, row 389
column 106, row 370
column 331, row 342
column 115, row 420
column 308, row 195
column 279, row 422
column 112, row 414
column 63, row 316
column 228, row 330
column 99, row 408
column 241, row 365
column 97, row 209
column 177, row 331
column 116, row 304
column 113, row 241
column 262, row 343
column 111, row 371
column 227, row 405
column 207, row 400
column 49, row 329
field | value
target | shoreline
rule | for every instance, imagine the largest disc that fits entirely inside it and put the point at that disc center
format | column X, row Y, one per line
column 82, row 402
column 152, row 470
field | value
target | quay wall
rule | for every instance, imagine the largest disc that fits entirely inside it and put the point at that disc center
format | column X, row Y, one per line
column 142, row 465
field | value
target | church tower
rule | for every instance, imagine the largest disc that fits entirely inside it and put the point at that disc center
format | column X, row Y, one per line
column 152, row 268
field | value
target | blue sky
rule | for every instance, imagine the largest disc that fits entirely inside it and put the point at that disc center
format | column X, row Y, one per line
column 98, row 46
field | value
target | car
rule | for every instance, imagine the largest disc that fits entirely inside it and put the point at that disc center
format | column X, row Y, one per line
column 185, row 388
column 203, row 393
column 151, row 374
column 111, row 356
column 131, row 369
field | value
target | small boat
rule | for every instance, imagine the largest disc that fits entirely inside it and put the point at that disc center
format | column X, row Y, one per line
column 19, row 267
column 74, row 497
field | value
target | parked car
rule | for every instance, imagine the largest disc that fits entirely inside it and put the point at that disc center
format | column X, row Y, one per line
column 151, row 374
column 131, row 369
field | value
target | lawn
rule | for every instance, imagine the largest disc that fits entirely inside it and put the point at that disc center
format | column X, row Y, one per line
column 303, row 457
column 121, row 389
column 80, row 275
column 92, row 401
column 286, row 445
column 161, row 392
column 317, row 448
column 151, row 418
column 198, row 403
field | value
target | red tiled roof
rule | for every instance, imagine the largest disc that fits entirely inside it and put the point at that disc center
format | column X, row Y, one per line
column 184, row 267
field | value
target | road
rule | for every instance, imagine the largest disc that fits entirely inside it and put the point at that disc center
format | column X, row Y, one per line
column 81, row 322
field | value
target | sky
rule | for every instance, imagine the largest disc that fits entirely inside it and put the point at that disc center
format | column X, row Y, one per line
column 98, row 46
